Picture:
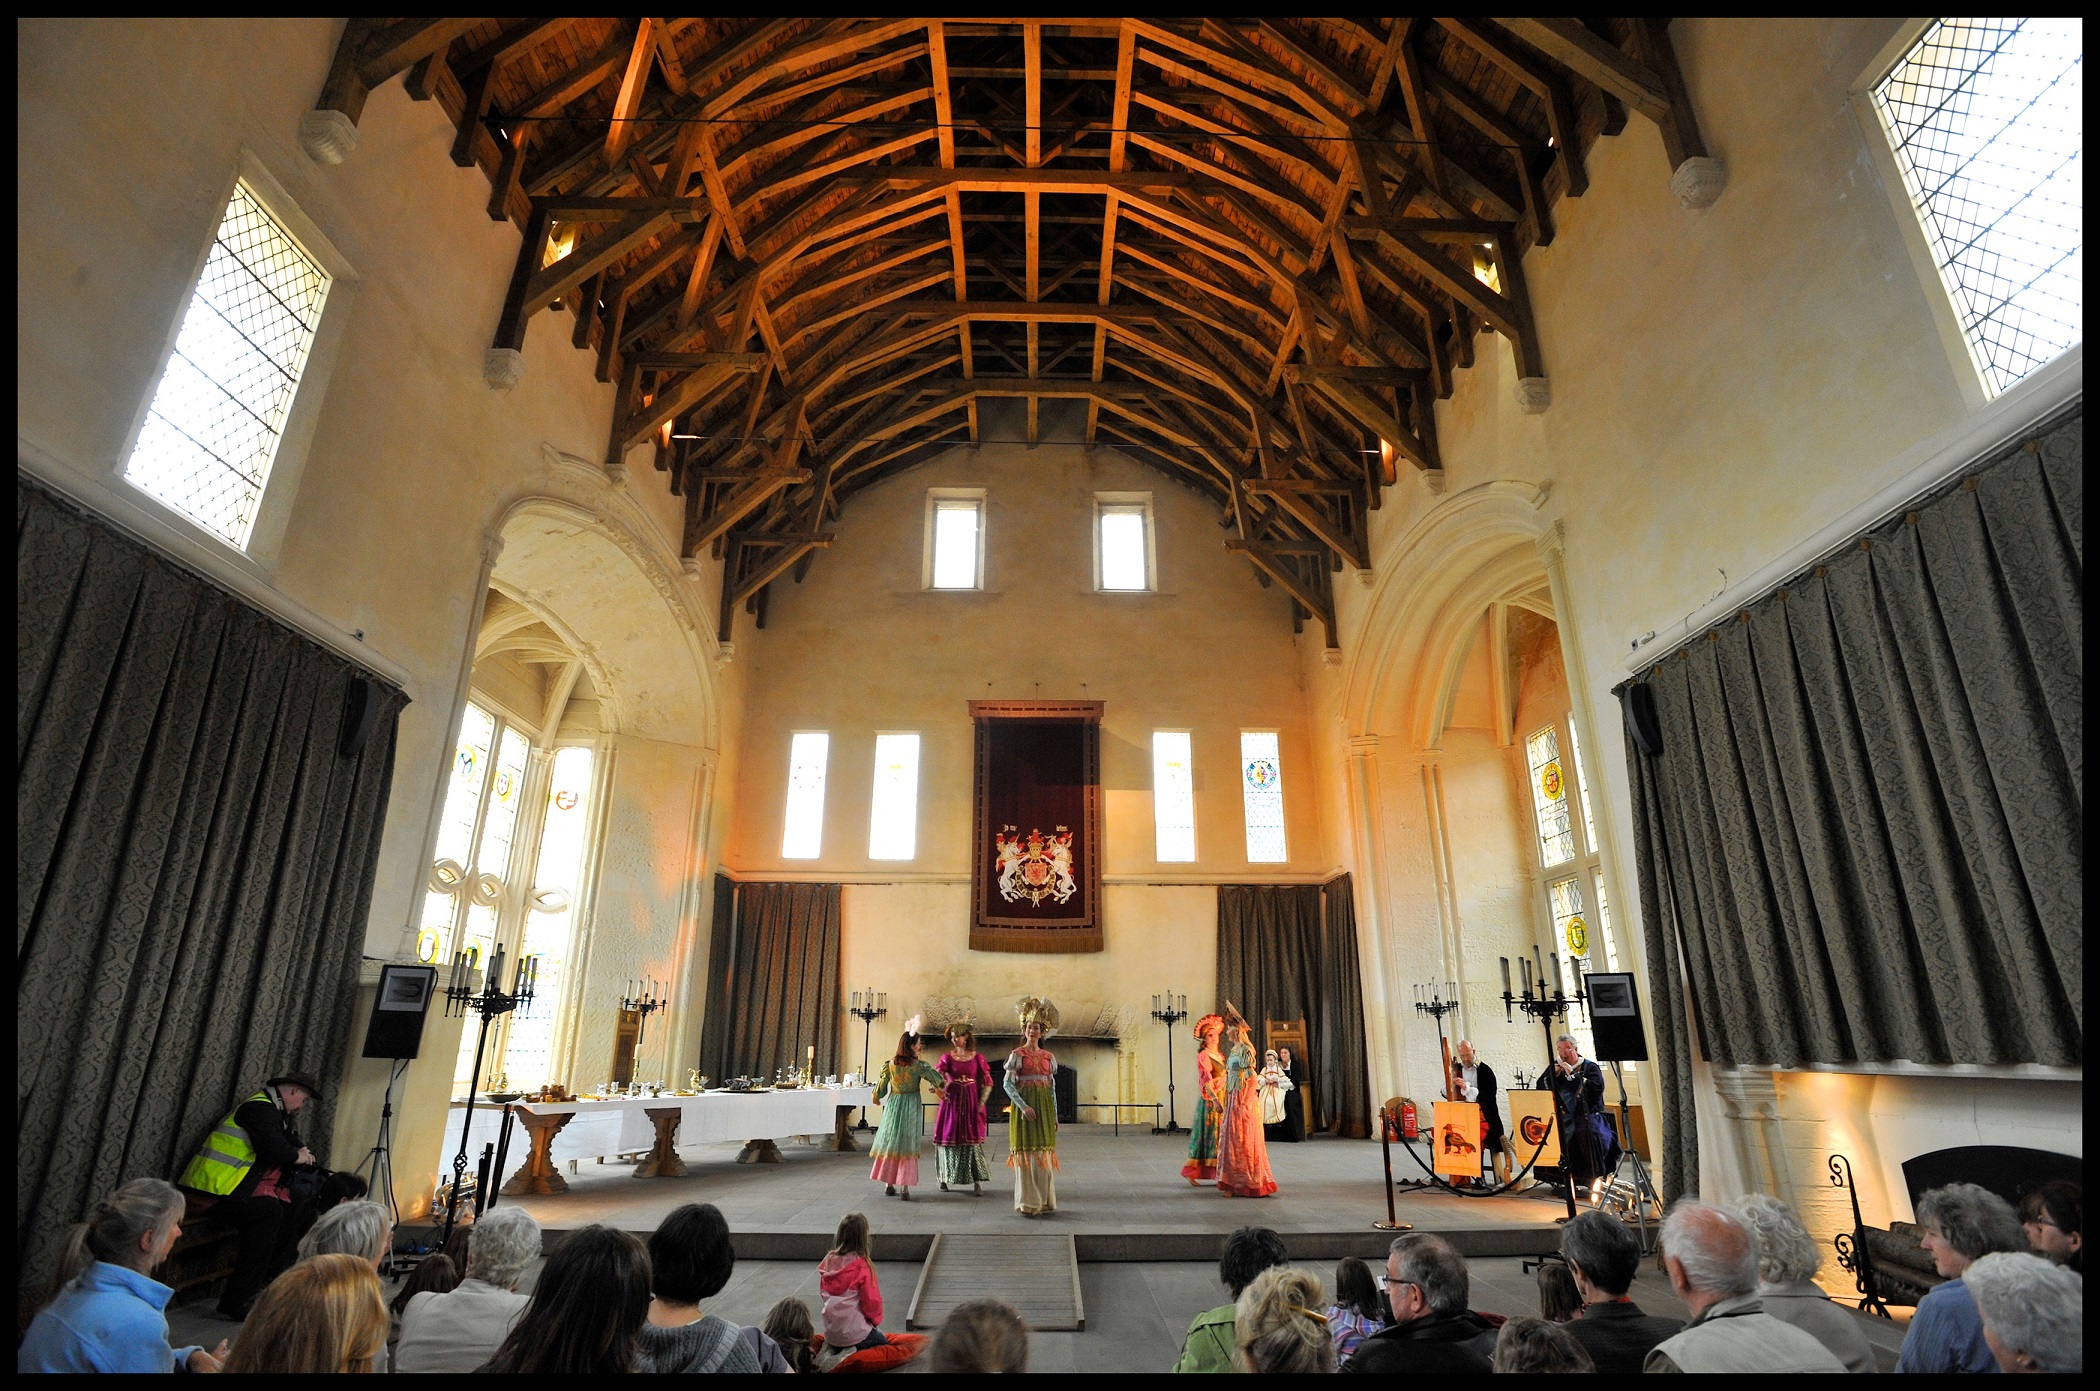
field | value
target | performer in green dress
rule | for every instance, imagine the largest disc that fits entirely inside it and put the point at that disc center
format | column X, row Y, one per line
column 1031, row 1125
column 1210, row 1102
column 903, row 1129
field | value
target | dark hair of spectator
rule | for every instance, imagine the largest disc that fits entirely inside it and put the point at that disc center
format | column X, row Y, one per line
column 586, row 1310
column 690, row 1257
column 1606, row 1252
column 853, row 1238
column 1248, row 1252
column 434, row 1274
column 2060, row 1202
column 1356, row 1291
column 1534, row 1345
column 1559, row 1300
column 788, row 1324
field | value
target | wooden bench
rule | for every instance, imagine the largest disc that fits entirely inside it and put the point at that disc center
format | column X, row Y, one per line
column 203, row 1254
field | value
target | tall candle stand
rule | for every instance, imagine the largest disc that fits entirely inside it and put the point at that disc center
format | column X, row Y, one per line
column 1429, row 1000
column 868, row 1006
column 490, row 1002
column 1546, row 1009
column 1166, row 1011
column 644, row 997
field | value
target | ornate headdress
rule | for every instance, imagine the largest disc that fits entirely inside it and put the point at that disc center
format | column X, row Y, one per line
column 1233, row 1018
column 1207, row 1023
column 1033, row 1009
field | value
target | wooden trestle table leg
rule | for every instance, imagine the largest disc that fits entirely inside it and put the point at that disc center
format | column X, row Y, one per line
column 539, row 1174
column 842, row 1132
column 662, row 1161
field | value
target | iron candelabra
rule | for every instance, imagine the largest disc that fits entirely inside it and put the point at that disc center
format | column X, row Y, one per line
column 1168, row 1012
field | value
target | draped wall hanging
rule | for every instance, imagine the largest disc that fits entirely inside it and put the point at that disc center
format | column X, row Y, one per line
column 1035, row 855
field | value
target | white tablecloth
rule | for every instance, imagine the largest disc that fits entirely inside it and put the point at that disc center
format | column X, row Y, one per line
column 605, row 1128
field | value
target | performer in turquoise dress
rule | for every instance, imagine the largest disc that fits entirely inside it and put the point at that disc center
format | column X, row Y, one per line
column 1210, row 1102
column 902, row 1132
column 1031, row 1124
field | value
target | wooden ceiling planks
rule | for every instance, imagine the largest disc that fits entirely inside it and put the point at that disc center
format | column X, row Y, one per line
column 806, row 249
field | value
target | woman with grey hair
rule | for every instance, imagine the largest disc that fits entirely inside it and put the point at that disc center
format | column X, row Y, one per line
column 2033, row 1311
column 461, row 1329
column 1962, row 1224
column 350, row 1229
column 1787, row 1261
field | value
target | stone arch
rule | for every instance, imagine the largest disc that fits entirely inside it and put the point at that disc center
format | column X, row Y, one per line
column 1480, row 547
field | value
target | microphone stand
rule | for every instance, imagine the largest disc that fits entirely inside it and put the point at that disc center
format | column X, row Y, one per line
column 1547, row 1009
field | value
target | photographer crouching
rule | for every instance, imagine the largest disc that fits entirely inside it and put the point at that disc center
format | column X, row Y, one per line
column 255, row 1175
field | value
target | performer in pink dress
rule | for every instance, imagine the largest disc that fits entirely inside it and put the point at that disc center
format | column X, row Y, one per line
column 1243, row 1153
column 958, row 1131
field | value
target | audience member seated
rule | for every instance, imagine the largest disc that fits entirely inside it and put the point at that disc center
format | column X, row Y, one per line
column 324, row 1316
column 1712, row 1260
column 1787, row 1260
column 1961, row 1223
column 1277, row 1325
column 2033, row 1311
column 461, row 1329
column 792, row 1330
column 1603, row 1258
column 2054, row 1218
column 332, row 1190
column 1357, row 1311
column 981, row 1335
column 109, row 1313
column 1539, row 1345
column 434, row 1274
column 852, row 1295
column 1559, row 1300
column 1209, row 1343
column 586, row 1311
column 358, row 1228
column 690, row 1260
column 1432, row 1330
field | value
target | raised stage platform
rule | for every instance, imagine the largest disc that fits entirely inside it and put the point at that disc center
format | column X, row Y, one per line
column 1121, row 1197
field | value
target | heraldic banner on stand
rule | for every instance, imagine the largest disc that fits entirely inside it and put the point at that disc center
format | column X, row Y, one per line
column 1035, row 873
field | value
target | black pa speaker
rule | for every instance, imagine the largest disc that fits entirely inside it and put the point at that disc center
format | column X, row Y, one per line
column 1643, row 722
column 1615, row 1017
column 405, row 993
column 360, row 708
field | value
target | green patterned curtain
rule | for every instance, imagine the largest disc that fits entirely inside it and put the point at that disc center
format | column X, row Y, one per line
column 1865, row 827
column 773, row 979
column 194, row 863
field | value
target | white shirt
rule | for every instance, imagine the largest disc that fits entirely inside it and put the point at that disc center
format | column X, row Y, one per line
column 1470, row 1073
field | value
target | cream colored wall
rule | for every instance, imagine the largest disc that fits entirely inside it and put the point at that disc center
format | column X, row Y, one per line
column 1724, row 382
column 130, row 132
column 861, row 648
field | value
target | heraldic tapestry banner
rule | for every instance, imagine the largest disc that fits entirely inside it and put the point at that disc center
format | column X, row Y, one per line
column 1035, row 875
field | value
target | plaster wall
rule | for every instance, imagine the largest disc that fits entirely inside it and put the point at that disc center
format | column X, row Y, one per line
column 861, row 647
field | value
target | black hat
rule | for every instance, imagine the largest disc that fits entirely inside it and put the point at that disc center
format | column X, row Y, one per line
column 302, row 1080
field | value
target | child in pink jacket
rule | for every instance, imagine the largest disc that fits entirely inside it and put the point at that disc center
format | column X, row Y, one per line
column 852, row 1299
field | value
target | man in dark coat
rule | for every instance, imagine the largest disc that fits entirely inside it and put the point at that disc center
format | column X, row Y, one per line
column 1426, row 1286
column 1477, row 1084
column 1591, row 1148
column 1603, row 1257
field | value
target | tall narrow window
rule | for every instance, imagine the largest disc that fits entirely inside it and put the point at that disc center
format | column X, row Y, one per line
column 550, row 913
column 1261, row 788
column 212, row 430
column 893, row 819
column 1549, row 796
column 1122, row 541
column 1582, row 784
column 955, row 542
column 804, row 837
column 1173, row 797
column 1987, row 122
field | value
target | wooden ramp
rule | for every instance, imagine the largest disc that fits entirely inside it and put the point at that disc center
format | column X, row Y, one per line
column 1036, row 1272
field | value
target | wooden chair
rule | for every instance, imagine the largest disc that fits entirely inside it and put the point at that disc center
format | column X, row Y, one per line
column 1290, row 1033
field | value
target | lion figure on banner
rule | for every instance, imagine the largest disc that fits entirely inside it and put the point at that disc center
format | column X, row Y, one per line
column 1035, row 867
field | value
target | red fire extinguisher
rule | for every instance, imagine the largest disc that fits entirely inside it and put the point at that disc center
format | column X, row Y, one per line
column 1408, row 1128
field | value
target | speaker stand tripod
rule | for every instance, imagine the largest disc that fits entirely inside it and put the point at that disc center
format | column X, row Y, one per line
column 1638, row 1188
column 381, row 1157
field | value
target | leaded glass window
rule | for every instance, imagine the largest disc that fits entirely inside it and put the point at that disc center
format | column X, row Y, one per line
column 1986, row 119
column 803, row 836
column 1549, row 796
column 1261, row 792
column 218, row 412
column 1173, row 797
column 893, row 816
column 549, row 917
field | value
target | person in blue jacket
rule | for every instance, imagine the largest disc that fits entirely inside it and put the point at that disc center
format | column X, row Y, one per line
column 110, row 1313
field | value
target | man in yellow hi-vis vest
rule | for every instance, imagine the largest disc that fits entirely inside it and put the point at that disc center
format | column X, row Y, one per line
column 242, row 1177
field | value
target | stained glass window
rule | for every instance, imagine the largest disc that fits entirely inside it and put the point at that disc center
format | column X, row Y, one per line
column 218, row 412
column 1986, row 118
column 1261, row 791
column 893, row 819
column 528, row 1054
column 803, row 838
column 1582, row 788
column 1549, row 796
column 1173, row 797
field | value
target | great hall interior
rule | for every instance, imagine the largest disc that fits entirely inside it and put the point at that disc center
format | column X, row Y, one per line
column 615, row 563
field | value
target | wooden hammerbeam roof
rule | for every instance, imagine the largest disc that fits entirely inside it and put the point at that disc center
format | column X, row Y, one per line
column 1252, row 252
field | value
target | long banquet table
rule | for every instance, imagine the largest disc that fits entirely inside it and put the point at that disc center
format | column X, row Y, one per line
column 567, row 1130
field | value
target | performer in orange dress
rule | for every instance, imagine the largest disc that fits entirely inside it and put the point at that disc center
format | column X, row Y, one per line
column 1210, row 1102
column 1243, row 1153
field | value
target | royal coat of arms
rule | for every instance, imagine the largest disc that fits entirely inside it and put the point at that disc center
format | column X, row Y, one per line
column 1035, row 867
